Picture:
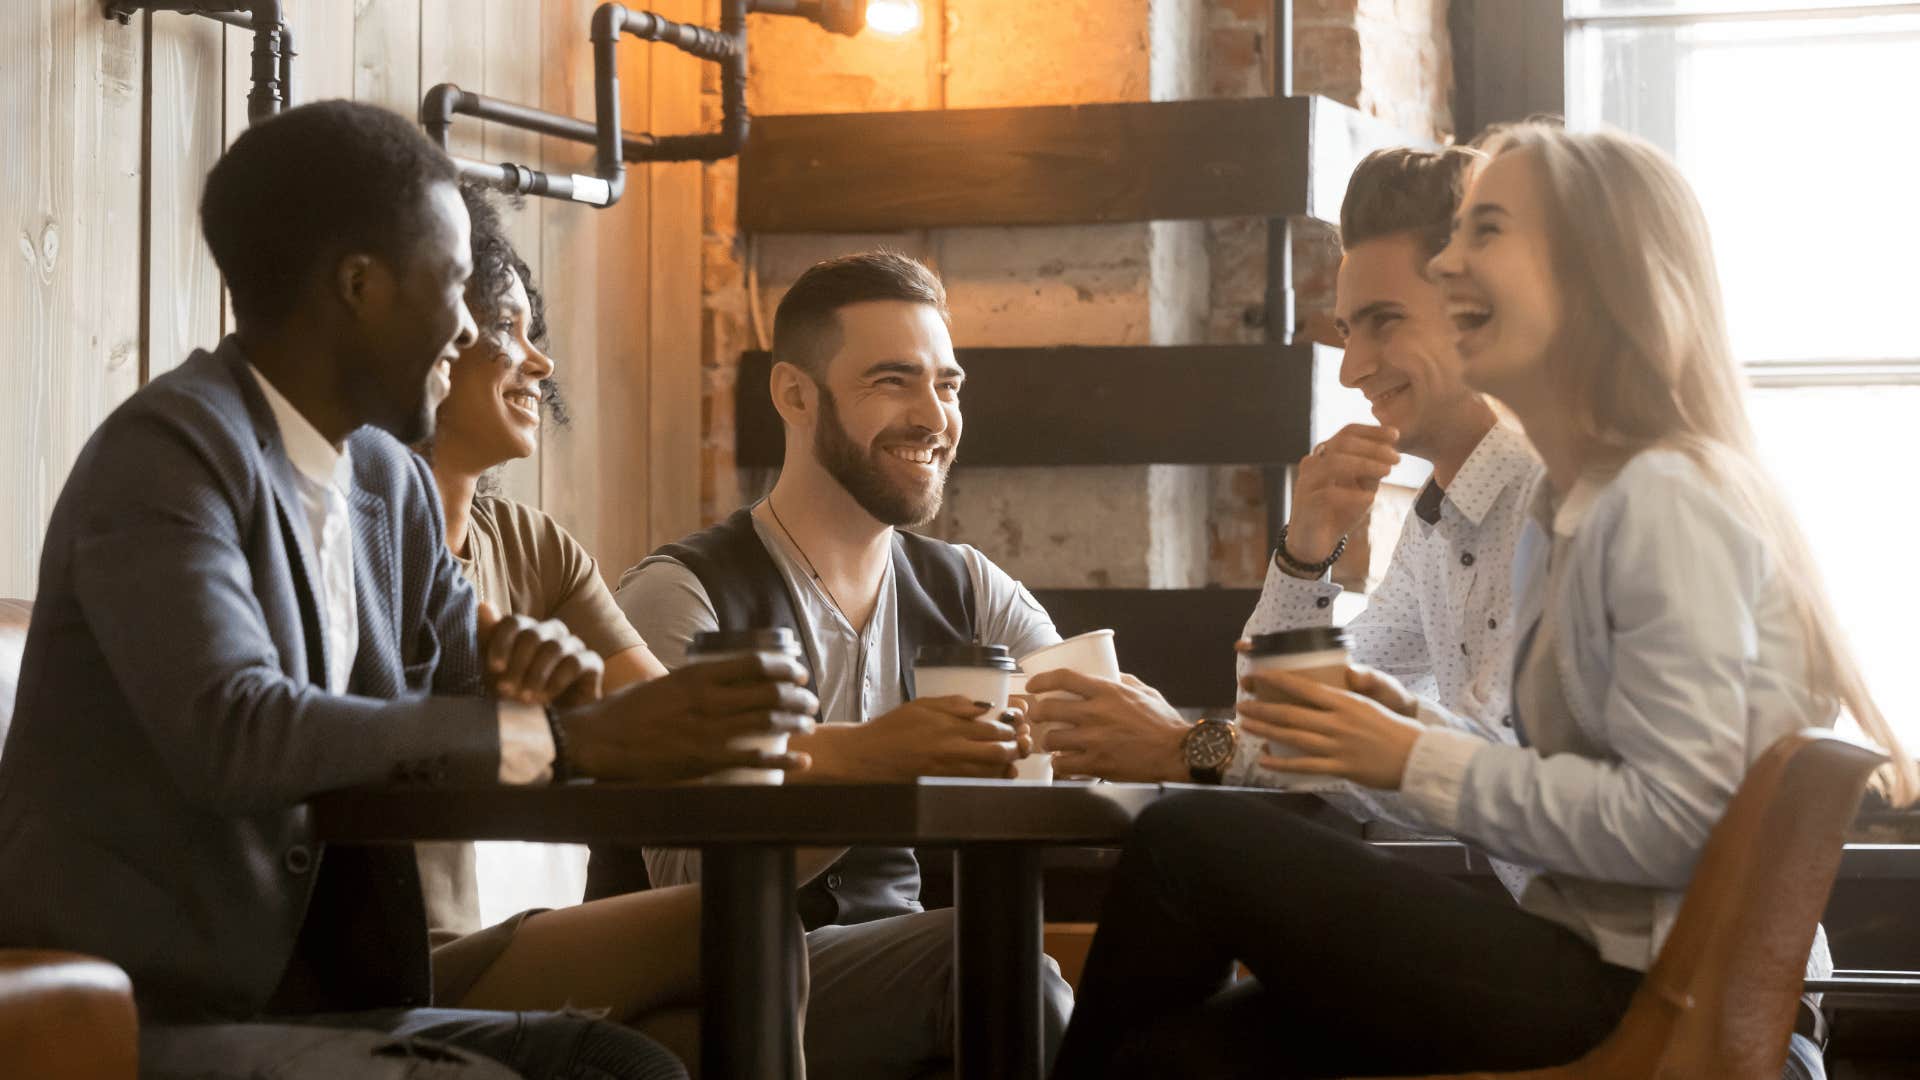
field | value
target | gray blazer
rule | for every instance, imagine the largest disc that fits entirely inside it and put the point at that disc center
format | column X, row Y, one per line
column 172, row 716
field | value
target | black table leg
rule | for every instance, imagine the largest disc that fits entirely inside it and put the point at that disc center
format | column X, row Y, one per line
column 749, row 939
column 997, row 962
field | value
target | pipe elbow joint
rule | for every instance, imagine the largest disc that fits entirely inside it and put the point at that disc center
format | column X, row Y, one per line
column 609, row 21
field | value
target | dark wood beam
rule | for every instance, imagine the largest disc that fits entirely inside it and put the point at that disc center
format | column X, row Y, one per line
column 1146, row 405
column 1052, row 165
column 1178, row 641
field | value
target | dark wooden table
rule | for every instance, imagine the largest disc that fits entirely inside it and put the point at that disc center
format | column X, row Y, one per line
column 746, row 836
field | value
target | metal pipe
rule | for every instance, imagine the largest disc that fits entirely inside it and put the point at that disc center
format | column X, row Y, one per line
column 267, row 96
column 734, row 120
column 443, row 102
column 244, row 21
column 613, row 146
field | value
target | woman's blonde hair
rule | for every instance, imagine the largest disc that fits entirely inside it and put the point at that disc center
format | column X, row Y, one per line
column 1643, row 353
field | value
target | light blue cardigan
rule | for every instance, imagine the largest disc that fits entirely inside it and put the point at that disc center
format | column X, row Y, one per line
column 1679, row 660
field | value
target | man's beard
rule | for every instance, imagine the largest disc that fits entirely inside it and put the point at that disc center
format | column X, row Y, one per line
column 864, row 476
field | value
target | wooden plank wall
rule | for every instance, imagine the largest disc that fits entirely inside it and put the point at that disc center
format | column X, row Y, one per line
column 106, row 282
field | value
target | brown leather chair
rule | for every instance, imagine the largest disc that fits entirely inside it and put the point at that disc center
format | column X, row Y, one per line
column 61, row 1014
column 1721, row 998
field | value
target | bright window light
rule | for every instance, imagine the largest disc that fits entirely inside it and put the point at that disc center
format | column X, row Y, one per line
column 893, row 17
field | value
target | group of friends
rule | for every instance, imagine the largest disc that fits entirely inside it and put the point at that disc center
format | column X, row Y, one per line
column 280, row 569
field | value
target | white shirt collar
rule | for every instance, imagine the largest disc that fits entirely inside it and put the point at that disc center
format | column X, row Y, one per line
column 1504, row 457
column 311, row 454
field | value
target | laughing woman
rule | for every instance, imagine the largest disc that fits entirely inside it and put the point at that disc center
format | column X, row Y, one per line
column 1674, row 629
column 635, row 956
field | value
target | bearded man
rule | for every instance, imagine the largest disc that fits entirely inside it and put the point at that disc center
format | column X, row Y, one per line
column 868, row 390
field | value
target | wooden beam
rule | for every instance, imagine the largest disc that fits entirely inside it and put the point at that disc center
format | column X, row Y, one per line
column 1178, row 641
column 1054, row 165
column 1120, row 405
column 1050, row 165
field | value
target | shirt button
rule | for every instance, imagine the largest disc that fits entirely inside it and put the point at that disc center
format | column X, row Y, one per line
column 1321, row 602
column 1493, row 624
column 298, row 859
column 1507, row 720
column 833, row 881
column 1466, row 558
column 1463, row 648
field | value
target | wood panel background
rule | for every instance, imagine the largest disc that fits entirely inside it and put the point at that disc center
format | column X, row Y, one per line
column 110, row 130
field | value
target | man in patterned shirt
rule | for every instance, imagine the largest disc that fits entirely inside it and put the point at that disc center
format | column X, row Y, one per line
column 1438, row 621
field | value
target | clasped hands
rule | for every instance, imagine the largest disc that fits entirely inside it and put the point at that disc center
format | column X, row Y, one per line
column 677, row 727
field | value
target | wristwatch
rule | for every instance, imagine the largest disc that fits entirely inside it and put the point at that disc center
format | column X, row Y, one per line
column 1208, row 748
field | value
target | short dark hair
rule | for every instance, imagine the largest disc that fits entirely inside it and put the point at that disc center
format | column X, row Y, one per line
column 806, row 327
column 312, row 183
column 1405, row 190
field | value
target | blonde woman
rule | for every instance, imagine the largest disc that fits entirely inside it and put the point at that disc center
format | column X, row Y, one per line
column 1671, row 627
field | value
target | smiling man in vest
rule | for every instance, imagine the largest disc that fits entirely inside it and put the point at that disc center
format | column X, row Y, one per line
column 867, row 387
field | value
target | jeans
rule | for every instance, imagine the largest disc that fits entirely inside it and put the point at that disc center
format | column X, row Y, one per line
column 1362, row 964
column 408, row 1044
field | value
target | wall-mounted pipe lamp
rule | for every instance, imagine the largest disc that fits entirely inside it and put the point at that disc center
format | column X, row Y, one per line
column 614, row 147
column 272, row 42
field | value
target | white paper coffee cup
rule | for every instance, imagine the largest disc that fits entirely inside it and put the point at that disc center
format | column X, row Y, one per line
column 728, row 645
column 975, row 672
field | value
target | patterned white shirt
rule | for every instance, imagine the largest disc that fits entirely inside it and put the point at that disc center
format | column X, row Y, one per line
column 1439, row 622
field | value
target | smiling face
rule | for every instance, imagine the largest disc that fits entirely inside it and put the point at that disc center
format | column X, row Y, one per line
column 493, row 412
column 1399, row 344
column 413, row 324
column 888, row 420
column 1498, row 276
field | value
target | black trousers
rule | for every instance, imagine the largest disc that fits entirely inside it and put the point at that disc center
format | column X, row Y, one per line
column 1363, row 964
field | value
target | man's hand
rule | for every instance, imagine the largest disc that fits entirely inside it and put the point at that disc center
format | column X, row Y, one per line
column 1332, row 732
column 678, row 727
column 1336, row 487
column 1121, row 730
column 540, row 663
column 941, row 736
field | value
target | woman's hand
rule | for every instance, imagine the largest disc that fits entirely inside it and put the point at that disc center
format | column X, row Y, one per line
column 1334, row 732
column 539, row 663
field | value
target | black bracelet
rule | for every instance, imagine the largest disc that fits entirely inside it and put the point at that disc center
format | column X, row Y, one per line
column 562, row 767
column 1311, row 569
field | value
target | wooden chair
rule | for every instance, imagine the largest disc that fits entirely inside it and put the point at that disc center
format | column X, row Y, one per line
column 61, row 1014
column 1721, row 998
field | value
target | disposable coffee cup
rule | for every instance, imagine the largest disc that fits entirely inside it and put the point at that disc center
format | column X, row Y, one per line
column 975, row 672
column 714, row 645
column 1318, row 653
column 1089, row 654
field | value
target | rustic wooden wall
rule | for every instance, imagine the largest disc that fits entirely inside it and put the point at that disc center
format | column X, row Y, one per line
column 109, row 131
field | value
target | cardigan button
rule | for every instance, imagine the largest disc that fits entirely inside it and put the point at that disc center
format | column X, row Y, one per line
column 298, row 859
column 1466, row 558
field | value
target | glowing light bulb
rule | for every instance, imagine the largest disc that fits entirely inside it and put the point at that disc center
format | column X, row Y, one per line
column 893, row 17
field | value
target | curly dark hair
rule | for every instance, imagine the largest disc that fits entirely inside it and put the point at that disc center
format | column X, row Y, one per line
column 495, row 263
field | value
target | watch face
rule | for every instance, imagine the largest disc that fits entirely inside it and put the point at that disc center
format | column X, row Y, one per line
column 1210, row 746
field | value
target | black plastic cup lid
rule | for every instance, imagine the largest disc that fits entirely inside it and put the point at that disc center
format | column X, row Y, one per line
column 776, row 639
column 981, row 656
column 1289, row 642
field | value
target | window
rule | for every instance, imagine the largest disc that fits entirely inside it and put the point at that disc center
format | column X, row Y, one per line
column 1795, row 123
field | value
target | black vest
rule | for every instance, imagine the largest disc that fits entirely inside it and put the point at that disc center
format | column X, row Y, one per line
column 934, row 605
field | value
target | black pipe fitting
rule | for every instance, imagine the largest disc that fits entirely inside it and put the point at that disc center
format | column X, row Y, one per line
column 613, row 146
column 273, row 53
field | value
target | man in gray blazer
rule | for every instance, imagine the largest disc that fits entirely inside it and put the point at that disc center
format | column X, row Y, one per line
column 246, row 598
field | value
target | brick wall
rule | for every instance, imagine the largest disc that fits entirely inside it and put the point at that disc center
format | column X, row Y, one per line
column 1158, row 283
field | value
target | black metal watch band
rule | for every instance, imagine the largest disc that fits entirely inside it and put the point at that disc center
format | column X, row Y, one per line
column 562, row 761
column 1311, row 569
